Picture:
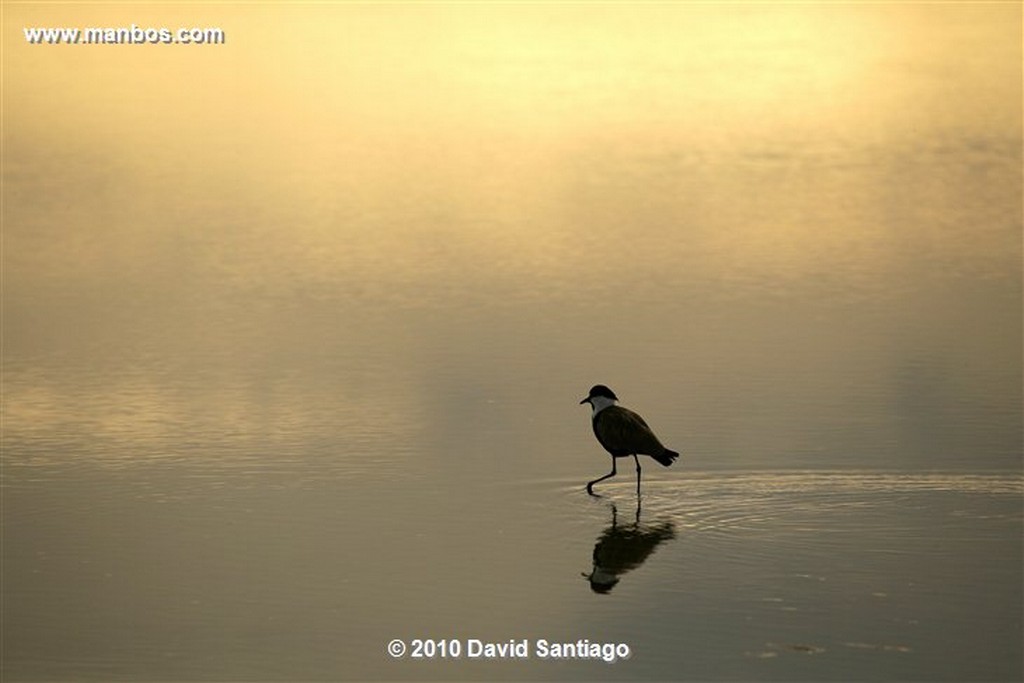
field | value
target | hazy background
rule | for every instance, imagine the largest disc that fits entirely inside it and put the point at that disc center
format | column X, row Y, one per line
column 295, row 328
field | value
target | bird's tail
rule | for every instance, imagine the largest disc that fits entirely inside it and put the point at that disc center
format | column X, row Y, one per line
column 666, row 458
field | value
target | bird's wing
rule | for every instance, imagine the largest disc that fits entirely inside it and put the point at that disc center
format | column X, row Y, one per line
column 623, row 430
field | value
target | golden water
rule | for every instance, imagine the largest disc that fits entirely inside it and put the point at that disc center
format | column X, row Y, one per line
column 295, row 330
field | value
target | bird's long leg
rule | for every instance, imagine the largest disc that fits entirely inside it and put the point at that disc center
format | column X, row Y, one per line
column 637, row 460
column 590, row 485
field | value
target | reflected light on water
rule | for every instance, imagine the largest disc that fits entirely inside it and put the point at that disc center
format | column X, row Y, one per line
column 295, row 327
column 394, row 146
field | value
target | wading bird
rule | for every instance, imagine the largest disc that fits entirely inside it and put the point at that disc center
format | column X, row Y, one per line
column 622, row 433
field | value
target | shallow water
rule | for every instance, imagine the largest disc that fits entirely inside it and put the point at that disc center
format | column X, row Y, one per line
column 735, row 575
column 292, row 353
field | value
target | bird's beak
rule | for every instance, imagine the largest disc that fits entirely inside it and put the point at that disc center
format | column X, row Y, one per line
column 586, row 400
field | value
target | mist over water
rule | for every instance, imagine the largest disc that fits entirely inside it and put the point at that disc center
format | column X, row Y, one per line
column 295, row 331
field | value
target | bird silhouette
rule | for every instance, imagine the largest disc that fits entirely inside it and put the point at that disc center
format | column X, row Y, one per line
column 620, row 549
column 623, row 433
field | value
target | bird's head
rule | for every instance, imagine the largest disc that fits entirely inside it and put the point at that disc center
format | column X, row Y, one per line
column 601, row 580
column 600, row 391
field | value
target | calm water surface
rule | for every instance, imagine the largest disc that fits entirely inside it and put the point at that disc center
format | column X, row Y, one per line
column 292, row 352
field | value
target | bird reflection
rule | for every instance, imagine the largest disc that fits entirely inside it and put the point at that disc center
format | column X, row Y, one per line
column 623, row 548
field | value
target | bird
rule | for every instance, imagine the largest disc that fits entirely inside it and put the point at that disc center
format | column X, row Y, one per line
column 623, row 433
